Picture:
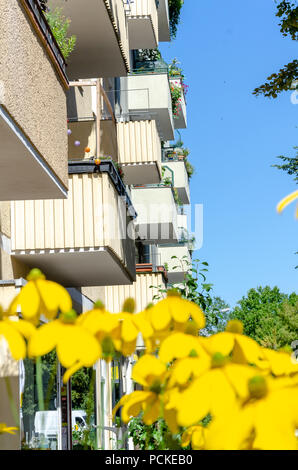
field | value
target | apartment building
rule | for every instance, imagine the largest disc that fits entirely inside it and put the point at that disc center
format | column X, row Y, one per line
column 85, row 162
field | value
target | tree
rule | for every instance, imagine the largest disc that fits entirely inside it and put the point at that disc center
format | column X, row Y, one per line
column 283, row 80
column 290, row 165
column 217, row 316
column 269, row 316
column 175, row 7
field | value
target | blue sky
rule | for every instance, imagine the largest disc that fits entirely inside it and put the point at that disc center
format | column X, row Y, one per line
column 226, row 49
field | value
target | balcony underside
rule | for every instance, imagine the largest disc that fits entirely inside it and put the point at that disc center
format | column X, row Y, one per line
column 157, row 233
column 97, row 52
column 184, row 195
column 163, row 21
column 144, row 173
column 141, row 33
column 176, row 277
column 78, row 268
column 23, row 172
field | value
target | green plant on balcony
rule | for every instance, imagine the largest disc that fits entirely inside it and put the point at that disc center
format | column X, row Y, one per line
column 176, row 197
column 174, row 70
column 189, row 168
column 176, row 94
column 59, row 25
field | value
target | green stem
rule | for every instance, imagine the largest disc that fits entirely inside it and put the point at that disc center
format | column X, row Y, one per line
column 39, row 384
column 51, row 383
column 12, row 402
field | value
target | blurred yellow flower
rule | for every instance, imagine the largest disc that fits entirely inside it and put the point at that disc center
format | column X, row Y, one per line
column 40, row 297
column 268, row 420
column 5, row 429
column 194, row 435
column 104, row 326
column 215, row 392
column 152, row 401
column 15, row 331
column 76, row 347
column 175, row 311
column 244, row 350
column 286, row 201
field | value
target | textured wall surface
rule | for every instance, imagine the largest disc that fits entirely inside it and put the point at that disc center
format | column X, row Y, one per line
column 30, row 88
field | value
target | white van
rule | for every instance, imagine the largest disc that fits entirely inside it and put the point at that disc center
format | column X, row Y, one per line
column 46, row 422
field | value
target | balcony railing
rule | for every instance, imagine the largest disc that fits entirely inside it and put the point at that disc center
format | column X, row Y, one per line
column 105, row 166
column 41, row 22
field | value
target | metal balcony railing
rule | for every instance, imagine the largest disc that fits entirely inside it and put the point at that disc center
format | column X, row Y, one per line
column 35, row 8
column 106, row 166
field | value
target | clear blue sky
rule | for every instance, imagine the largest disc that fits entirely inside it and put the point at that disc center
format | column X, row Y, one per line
column 227, row 49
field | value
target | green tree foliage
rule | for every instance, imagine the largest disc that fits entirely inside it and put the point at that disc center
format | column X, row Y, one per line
column 269, row 316
column 217, row 315
column 283, row 80
column 290, row 165
column 175, row 7
column 80, row 387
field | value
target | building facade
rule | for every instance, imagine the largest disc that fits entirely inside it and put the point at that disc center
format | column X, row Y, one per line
column 92, row 189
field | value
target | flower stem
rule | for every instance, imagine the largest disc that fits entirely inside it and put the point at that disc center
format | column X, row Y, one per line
column 39, row 384
column 12, row 402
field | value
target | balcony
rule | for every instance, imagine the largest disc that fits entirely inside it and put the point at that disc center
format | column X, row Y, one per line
column 134, row 145
column 102, row 48
column 180, row 119
column 157, row 214
column 142, row 20
column 164, row 21
column 176, row 267
column 175, row 171
column 139, row 149
column 87, row 239
column 33, row 131
column 149, row 97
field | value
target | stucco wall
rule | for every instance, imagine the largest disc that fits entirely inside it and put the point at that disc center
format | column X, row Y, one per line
column 30, row 88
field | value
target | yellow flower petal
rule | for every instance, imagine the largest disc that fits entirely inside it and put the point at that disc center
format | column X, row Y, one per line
column 180, row 345
column 134, row 405
column 27, row 302
column 45, row 339
column 219, row 343
column 148, row 370
column 15, row 341
column 54, row 298
column 286, row 201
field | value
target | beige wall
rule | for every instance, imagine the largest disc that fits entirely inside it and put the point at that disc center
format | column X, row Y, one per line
column 114, row 296
column 138, row 142
column 30, row 88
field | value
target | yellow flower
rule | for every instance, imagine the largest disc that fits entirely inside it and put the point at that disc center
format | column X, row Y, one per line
column 15, row 331
column 175, row 312
column 40, row 297
column 5, row 429
column 243, row 349
column 194, row 435
column 116, row 332
column 267, row 422
column 286, row 201
column 278, row 362
column 104, row 326
column 76, row 347
column 216, row 391
column 154, row 400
